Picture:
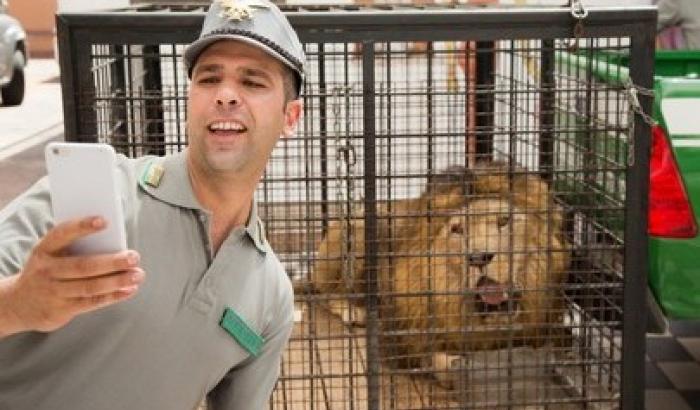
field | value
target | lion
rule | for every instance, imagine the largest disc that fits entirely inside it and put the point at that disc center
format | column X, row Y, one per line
column 339, row 263
column 475, row 265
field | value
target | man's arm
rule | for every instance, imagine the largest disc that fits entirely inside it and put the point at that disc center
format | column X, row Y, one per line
column 249, row 386
column 41, row 288
column 669, row 14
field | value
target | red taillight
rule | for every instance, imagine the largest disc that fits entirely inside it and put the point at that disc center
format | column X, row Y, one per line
column 670, row 214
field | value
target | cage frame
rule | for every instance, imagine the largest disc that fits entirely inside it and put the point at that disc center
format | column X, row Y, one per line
column 77, row 31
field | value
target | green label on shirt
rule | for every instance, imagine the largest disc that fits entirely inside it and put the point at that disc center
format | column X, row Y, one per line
column 239, row 329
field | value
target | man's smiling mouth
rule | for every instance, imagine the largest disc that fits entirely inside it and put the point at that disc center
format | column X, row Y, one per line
column 226, row 127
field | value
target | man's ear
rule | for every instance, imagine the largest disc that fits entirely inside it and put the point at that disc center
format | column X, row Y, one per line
column 292, row 113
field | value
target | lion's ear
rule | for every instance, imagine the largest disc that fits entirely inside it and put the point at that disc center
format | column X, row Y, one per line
column 453, row 178
column 450, row 200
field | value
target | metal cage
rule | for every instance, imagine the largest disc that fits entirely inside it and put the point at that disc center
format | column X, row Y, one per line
column 462, row 210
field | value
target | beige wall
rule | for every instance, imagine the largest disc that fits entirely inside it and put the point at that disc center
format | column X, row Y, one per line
column 37, row 17
column 71, row 6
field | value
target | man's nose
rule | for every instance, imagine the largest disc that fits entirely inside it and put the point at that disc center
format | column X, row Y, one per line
column 227, row 96
column 226, row 101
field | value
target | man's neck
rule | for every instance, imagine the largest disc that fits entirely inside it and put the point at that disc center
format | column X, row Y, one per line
column 228, row 198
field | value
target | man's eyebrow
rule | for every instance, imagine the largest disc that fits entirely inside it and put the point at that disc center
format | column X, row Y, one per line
column 209, row 68
column 256, row 72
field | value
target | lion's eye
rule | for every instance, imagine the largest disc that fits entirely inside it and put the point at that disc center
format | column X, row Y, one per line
column 457, row 228
column 502, row 221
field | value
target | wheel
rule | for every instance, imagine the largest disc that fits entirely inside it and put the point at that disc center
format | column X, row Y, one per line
column 13, row 93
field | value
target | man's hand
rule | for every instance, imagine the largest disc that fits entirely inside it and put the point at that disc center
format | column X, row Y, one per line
column 53, row 287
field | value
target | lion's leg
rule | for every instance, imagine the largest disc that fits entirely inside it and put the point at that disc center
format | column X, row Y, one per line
column 356, row 316
column 350, row 314
column 449, row 368
column 338, row 308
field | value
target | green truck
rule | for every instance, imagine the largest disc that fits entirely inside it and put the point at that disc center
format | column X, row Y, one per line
column 674, row 177
column 674, row 190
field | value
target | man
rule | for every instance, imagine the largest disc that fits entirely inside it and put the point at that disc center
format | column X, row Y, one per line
column 200, row 305
column 684, row 14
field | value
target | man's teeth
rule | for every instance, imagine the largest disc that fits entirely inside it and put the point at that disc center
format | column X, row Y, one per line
column 226, row 126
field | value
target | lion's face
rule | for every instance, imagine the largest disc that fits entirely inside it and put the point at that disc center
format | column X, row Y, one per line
column 493, row 265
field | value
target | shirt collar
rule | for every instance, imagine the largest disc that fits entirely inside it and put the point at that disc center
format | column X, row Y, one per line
column 256, row 229
column 175, row 188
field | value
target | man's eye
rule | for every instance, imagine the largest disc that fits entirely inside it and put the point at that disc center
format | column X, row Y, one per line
column 208, row 80
column 254, row 84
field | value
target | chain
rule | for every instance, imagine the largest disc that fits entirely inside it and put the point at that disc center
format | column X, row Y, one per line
column 579, row 13
column 336, row 94
column 344, row 154
column 633, row 92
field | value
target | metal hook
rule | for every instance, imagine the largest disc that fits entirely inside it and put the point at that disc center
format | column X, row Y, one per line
column 577, row 10
column 579, row 13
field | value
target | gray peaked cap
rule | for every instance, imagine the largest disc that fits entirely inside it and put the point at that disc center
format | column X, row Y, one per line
column 256, row 22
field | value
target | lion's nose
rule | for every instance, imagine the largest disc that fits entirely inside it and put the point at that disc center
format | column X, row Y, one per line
column 486, row 281
column 480, row 258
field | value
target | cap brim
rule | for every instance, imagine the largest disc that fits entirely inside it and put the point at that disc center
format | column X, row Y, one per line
column 193, row 51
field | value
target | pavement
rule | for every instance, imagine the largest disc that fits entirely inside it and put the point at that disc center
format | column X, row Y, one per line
column 673, row 359
column 28, row 127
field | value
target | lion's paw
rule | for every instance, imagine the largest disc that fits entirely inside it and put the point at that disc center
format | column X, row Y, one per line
column 449, row 368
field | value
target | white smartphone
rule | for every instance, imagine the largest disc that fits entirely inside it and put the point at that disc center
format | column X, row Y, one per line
column 82, row 182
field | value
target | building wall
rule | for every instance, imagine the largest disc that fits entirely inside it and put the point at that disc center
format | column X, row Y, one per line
column 37, row 18
column 85, row 5
column 587, row 3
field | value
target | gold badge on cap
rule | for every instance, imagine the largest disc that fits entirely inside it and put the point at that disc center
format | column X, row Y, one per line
column 240, row 9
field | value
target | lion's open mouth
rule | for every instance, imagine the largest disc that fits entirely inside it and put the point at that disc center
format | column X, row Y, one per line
column 494, row 297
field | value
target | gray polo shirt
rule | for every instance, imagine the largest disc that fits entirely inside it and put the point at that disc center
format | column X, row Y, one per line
column 165, row 347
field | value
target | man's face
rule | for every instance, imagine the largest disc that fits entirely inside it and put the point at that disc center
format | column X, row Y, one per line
column 237, row 110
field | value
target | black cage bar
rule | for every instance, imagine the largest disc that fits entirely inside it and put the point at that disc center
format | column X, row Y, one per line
column 403, row 104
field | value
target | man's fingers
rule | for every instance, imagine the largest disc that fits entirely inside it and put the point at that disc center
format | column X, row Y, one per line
column 88, row 304
column 102, row 285
column 68, row 232
column 80, row 267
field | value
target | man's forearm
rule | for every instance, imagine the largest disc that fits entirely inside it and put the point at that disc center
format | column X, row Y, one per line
column 9, row 322
column 668, row 14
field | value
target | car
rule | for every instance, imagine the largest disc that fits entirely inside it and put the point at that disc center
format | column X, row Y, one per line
column 13, row 58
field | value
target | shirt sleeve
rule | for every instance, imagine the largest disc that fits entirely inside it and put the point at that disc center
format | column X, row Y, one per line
column 248, row 386
column 669, row 14
column 22, row 223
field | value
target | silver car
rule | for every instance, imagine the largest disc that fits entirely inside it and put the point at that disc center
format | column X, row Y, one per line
column 13, row 58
